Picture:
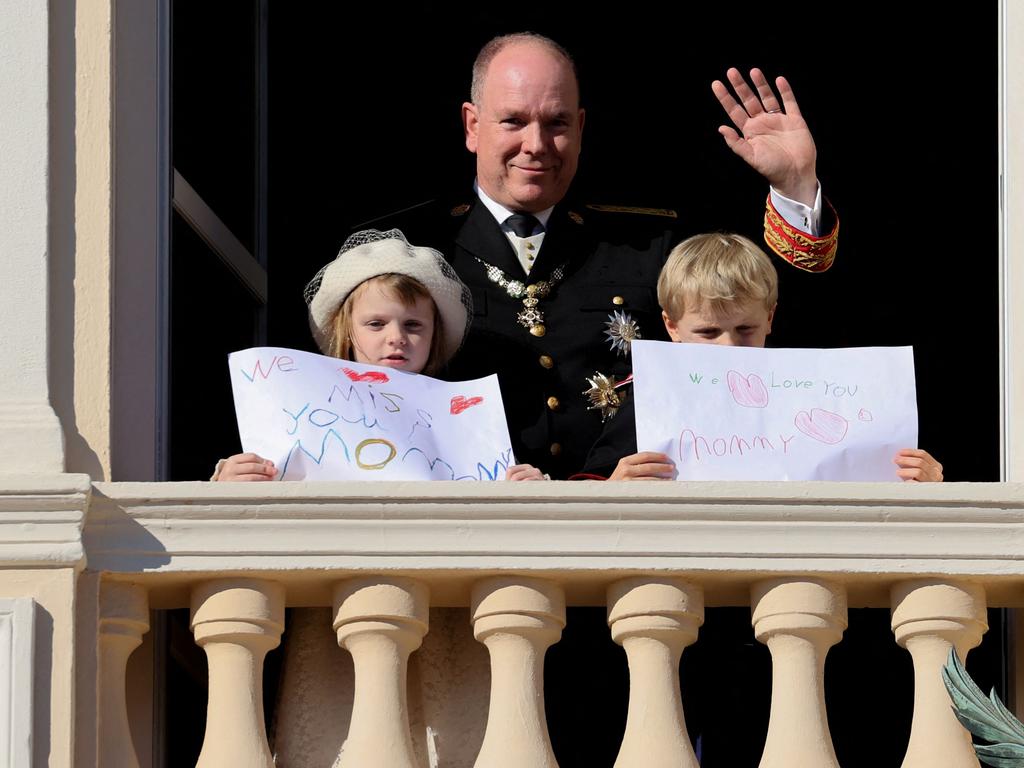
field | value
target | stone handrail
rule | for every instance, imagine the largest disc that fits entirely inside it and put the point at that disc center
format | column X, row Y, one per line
column 726, row 531
column 655, row 554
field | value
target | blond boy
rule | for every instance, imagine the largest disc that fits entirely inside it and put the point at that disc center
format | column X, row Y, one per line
column 714, row 289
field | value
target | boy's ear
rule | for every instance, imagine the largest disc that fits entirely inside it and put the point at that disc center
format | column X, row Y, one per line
column 771, row 316
column 670, row 326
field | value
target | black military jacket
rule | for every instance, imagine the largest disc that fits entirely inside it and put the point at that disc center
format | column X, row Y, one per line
column 611, row 259
column 617, row 440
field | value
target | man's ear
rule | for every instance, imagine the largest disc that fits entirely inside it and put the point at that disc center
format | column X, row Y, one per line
column 583, row 116
column 470, row 124
column 670, row 326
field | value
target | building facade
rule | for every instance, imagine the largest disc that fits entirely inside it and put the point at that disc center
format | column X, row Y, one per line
column 86, row 558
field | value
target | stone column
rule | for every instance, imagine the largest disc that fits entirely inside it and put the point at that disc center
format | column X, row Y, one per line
column 31, row 438
column 930, row 616
column 236, row 621
column 654, row 620
column 380, row 621
column 123, row 620
column 799, row 620
column 517, row 619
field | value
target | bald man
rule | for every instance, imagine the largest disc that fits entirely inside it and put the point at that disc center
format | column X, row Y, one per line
column 560, row 289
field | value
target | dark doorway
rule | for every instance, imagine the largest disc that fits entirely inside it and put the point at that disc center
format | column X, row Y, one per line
column 364, row 120
column 361, row 109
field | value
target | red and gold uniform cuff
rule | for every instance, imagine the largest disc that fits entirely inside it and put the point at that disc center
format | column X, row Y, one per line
column 803, row 251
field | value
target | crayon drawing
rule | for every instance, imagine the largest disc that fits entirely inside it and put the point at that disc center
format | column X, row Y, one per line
column 318, row 421
column 741, row 413
column 748, row 391
column 821, row 425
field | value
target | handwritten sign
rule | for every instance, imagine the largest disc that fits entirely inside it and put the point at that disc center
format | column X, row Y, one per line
column 740, row 413
column 320, row 418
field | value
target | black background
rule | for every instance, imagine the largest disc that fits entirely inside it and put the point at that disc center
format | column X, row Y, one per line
column 363, row 107
column 364, row 120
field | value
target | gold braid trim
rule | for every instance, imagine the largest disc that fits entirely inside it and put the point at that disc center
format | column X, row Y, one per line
column 803, row 251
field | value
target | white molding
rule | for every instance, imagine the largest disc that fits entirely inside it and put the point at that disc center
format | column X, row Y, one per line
column 31, row 438
column 31, row 435
column 17, row 664
column 41, row 520
column 1005, row 411
column 1011, row 235
column 725, row 531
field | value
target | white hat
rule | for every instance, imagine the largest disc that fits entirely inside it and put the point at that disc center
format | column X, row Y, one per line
column 370, row 254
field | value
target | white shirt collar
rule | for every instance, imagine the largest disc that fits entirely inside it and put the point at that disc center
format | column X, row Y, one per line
column 500, row 212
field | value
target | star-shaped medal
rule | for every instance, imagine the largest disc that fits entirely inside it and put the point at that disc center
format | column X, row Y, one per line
column 622, row 331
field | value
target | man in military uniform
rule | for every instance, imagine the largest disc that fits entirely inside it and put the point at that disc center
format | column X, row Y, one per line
column 560, row 290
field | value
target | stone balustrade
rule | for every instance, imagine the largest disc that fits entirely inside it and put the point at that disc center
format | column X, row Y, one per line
column 653, row 554
column 654, row 619
column 380, row 621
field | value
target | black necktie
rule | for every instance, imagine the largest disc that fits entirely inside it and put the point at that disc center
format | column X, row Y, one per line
column 523, row 224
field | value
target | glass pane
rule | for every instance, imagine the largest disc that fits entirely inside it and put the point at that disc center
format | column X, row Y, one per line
column 214, row 99
column 212, row 314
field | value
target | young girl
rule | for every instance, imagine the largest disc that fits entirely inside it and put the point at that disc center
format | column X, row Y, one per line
column 384, row 302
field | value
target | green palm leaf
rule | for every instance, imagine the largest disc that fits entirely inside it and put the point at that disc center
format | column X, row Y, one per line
column 1001, row 755
column 985, row 717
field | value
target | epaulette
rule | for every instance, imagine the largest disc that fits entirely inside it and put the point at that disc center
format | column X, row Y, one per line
column 665, row 212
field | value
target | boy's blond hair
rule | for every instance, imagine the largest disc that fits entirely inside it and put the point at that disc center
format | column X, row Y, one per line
column 716, row 268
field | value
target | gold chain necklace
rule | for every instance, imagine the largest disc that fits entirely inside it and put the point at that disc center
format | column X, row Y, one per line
column 530, row 316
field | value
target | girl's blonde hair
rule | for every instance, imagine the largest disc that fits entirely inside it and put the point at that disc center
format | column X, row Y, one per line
column 412, row 271
column 407, row 290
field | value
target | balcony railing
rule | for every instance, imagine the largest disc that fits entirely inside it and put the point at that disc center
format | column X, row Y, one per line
column 516, row 554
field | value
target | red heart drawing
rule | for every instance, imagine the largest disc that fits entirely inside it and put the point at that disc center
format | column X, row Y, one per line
column 824, row 426
column 748, row 391
column 373, row 376
column 460, row 403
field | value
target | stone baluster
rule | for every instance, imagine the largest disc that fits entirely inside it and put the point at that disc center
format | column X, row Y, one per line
column 799, row 620
column 123, row 620
column 517, row 619
column 236, row 621
column 930, row 616
column 380, row 621
column 654, row 620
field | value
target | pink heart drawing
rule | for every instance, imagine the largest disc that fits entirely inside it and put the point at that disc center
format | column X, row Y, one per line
column 865, row 415
column 460, row 403
column 377, row 377
column 748, row 391
column 824, row 426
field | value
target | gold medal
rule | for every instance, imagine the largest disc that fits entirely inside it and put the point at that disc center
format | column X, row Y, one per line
column 530, row 316
column 602, row 394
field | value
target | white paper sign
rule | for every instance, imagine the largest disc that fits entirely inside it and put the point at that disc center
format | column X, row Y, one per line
column 741, row 413
column 320, row 418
